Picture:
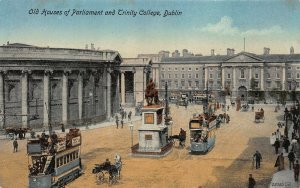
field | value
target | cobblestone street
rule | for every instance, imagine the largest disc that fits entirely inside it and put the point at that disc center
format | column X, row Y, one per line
column 227, row 165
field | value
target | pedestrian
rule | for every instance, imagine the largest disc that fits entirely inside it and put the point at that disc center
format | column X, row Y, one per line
column 257, row 157
column 122, row 123
column 129, row 116
column 117, row 121
column 280, row 162
column 125, row 114
column 15, row 144
column 276, row 145
column 253, row 108
column 251, row 182
column 296, row 171
column 291, row 157
column 62, row 128
column 228, row 107
column 286, row 143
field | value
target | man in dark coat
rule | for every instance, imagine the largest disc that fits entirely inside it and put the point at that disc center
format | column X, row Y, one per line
column 257, row 157
column 252, row 182
column 286, row 143
column 117, row 121
column 276, row 145
column 296, row 171
column 291, row 157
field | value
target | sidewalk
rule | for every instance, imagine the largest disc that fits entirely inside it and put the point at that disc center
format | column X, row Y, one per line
column 285, row 178
column 83, row 128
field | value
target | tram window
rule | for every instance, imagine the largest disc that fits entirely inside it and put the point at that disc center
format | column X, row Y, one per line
column 57, row 163
column 61, row 161
column 68, row 158
column 65, row 159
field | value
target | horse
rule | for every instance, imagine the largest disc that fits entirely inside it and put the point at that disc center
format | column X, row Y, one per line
column 179, row 138
column 114, row 171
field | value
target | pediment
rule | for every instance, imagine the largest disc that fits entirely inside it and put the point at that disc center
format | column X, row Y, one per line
column 244, row 58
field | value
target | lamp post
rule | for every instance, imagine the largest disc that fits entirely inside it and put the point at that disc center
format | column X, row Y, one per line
column 286, row 111
column 131, row 130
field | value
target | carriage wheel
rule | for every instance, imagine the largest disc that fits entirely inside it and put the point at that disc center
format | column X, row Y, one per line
column 113, row 179
column 100, row 177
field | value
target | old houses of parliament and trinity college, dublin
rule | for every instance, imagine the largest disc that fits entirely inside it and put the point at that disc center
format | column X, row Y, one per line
column 44, row 85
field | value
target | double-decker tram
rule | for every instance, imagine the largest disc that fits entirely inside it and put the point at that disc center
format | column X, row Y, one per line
column 54, row 160
column 202, row 133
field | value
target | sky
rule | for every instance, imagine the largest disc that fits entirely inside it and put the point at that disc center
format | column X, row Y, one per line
column 202, row 25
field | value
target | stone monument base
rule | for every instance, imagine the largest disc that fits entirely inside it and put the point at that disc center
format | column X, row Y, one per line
column 164, row 151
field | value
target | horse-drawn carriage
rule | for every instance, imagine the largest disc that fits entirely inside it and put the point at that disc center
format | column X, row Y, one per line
column 259, row 116
column 179, row 138
column 113, row 171
column 12, row 132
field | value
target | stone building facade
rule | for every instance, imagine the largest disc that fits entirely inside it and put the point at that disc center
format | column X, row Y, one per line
column 42, row 86
column 239, row 73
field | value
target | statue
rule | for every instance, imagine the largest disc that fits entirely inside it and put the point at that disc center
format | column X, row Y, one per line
column 151, row 93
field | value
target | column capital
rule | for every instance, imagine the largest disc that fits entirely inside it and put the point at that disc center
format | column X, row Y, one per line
column 48, row 72
column 3, row 72
column 133, row 70
column 26, row 72
column 67, row 72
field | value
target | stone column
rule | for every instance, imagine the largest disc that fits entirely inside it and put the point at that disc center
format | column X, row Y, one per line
column 134, row 86
column 250, row 74
column 108, row 94
column 117, row 89
column 223, row 77
column 92, row 110
column 234, row 78
column 206, row 77
column 123, row 87
column 64, row 99
column 262, row 78
column 24, row 93
column 80, row 93
column 47, row 105
column 283, row 77
column 156, row 77
column 2, row 104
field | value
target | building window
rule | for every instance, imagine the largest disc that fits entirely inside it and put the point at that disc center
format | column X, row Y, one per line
column 256, row 84
column 289, row 68
column 268, row 75
column 196, row 75
column 278, row 84
column 182, row 83
column 190, row 83
column 210, row 68
column 298, row 75
column 268, row 84
column 277, row 75
column 162, row 83
column 219, row 75
column 169, row 75
column 298, row 68
column 197, row 84
column 162, row 75
column 228, row 76
column 169, row 84
column 256, row 76
column 162, row 69
column 182, row 75
column 175, row 69
column 190, row 75
column 190, row 69
column 175, row 75
column 196, row 68
column 182, row 68
column 210, row 76
column 170, row 69
column 176, row 84
column 242, row 73
column 289, row 75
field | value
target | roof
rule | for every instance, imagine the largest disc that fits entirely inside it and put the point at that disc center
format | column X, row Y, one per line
column 223, row 58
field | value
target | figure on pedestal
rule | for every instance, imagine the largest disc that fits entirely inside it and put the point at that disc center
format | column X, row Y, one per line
column 151, row 94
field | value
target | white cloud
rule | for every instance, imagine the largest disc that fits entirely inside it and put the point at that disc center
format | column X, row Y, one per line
column 225, row 27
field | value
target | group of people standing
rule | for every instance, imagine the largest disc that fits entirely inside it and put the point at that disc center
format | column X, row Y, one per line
column 124, row 115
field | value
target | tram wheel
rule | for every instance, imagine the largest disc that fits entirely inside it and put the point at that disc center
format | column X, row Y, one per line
column 100, row 177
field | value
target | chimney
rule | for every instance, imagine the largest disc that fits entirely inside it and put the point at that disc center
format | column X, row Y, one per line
column 212, row 52
column 266, row 51
column 230, row 51
column 292, row 50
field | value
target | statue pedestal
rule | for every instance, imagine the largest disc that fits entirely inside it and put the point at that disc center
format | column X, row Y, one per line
column 152, row 134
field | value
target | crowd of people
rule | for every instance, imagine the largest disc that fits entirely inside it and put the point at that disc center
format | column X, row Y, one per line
column 123, row 115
